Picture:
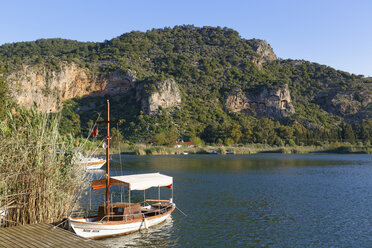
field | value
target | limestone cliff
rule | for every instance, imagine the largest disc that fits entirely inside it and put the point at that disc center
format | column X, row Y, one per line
column 344, row 103
column 269, row 102
column 263, row 50
column 162, row 94
column 49, row 88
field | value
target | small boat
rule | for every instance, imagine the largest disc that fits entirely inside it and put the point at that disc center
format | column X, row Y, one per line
column 119, row 218
column 212, row 151
column 230, row 151
column 92, row 163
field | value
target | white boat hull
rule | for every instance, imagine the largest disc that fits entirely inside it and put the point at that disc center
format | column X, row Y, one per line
column 93, row 163
column 96, row 166
column 87, row 228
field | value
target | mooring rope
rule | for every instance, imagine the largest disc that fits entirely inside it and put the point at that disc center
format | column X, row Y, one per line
column 181, row 211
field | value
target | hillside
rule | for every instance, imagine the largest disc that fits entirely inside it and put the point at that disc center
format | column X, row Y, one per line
column 187, row 82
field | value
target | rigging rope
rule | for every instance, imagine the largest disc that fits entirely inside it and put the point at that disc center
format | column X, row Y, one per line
column 90, row 132
column 121, row 165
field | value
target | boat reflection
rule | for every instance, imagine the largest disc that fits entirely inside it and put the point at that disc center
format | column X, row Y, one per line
column 157, row 236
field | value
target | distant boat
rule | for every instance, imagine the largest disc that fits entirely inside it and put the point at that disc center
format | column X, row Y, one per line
column 92, row 163
column 230, row 151
column 121, row 218
column 185, row 153
column 212, row 151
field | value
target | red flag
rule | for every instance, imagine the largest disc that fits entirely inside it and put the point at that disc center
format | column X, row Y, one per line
column 95, row 132
column 169, row 186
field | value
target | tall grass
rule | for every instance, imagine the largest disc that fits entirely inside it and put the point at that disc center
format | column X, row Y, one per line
column 37, row 184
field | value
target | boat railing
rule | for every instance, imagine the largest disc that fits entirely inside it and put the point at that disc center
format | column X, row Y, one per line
column 156, row 200
column 129, row 217
column 83, row 213
column 126, row 217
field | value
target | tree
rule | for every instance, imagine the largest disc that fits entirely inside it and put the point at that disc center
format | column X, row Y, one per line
column 70, row 121
column 285, row 132
column 160, row 138
column 366, row 130
column 247, row 136
column 236, row 133
column 264, row 131
column 229, row 141
column 348, row 133
column 197, row 141
column 166, row 137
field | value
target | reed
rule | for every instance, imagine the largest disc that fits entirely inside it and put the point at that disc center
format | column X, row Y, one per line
column 37, row 184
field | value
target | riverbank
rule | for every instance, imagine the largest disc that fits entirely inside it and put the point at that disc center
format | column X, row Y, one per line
column 147, row 149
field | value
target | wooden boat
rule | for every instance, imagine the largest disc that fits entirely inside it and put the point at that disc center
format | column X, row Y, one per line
column 126, row 217
column 121, row 218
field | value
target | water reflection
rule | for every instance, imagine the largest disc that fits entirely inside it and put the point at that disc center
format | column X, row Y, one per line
column 158, row 236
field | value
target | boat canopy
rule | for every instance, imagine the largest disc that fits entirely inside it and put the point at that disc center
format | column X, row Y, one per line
column 137, row 181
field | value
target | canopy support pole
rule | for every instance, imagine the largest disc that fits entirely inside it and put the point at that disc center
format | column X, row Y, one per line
column 130, row 210
column 172, row 192
column 90, row 198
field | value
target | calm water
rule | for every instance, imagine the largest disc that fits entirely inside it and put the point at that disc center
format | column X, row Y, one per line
column 270, row 200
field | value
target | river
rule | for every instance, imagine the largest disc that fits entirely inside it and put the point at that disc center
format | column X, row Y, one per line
column 263, row 200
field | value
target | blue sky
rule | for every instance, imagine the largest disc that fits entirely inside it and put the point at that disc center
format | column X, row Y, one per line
column 335, row 33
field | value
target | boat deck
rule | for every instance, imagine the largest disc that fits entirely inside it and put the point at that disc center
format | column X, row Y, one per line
column 42, row 235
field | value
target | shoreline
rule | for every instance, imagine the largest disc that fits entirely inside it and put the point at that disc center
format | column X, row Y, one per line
column 143, row 149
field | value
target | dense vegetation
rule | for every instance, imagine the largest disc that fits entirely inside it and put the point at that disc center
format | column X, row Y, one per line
column 37, row 185
column 207, row 63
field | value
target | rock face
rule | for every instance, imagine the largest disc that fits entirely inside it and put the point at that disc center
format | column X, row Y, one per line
column 264, row 51
column 237, row 102
column 269, row 102
column 117, row 82
column 160, row 95
column 49, row 88
column 346, row 103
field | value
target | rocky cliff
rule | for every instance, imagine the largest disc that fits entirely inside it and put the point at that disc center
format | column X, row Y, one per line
column 344, row 103
column 275, row 103
column 48, row 88
column 263, row 50
column 160, row 95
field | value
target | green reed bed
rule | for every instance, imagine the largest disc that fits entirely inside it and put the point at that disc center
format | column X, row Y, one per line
column 38, row 185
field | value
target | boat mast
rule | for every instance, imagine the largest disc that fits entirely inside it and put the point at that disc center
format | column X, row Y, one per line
column 108, row 160
column 107, row 122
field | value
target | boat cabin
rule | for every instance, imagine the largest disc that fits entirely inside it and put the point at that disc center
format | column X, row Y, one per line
column 121, row 211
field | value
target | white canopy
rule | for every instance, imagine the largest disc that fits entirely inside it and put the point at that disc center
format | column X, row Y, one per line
column 145, row 181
